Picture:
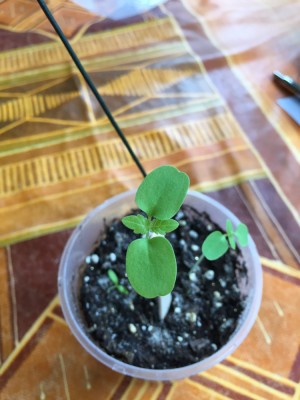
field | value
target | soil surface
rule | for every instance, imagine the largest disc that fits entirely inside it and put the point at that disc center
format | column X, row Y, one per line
column 206, row 300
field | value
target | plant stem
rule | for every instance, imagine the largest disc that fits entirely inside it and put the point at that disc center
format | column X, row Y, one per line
column 90, row 83
column 149, row 233
column 197, row 262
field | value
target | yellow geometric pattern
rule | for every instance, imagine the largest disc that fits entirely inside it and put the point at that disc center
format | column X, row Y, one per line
column 92, row 159
column 97, row 44
column 147, row 82
column 21, row 15
column 27, row 107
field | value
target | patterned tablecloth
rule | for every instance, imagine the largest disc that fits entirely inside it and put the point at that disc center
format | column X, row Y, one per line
column 190, row 84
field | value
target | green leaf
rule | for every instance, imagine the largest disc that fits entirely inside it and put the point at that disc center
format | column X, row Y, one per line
column 138, row 223
column 163, row 227
column 151, row 266
column 162, row 192
column 122, row 289
column 231, row 241
column 229, row 227
column 230, row 234
column 113, row 276
column 215, row 245
column 242, row 234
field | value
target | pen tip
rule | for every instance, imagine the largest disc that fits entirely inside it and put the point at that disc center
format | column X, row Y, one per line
column 277, row 74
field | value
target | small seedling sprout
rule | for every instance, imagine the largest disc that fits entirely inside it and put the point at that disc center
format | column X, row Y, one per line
column 217, row 243
column 115, row 280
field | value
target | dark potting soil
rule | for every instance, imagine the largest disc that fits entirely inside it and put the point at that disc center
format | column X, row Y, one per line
column 206, row 301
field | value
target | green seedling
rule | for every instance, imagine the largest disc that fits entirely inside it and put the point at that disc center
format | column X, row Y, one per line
column 150, row 261
column 115, row 280
column 217, row 243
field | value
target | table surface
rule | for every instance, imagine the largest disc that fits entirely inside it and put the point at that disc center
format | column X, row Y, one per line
column 190, row 83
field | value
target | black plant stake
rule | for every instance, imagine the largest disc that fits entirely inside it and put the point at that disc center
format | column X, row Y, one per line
column 89, row 82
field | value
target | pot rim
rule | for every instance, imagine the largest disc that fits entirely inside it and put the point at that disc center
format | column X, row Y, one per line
column 248, row 316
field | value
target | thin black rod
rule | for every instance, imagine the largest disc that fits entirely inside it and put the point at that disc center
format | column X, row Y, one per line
column 90, row 83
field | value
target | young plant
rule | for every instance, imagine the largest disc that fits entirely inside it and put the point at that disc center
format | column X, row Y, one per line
column 150, row 261
column 115, row 280
column 217, row 243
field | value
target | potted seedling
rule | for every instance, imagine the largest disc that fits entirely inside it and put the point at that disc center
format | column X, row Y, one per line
column 152, row 283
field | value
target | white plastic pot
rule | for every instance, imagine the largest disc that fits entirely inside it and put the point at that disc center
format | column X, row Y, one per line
column 81, row 244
